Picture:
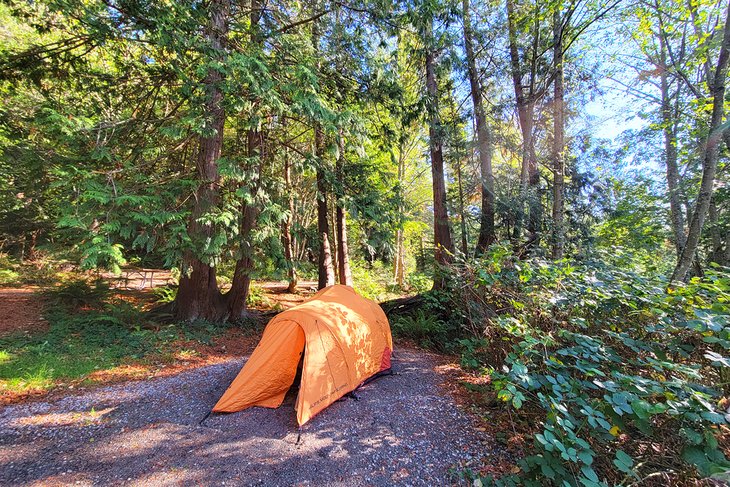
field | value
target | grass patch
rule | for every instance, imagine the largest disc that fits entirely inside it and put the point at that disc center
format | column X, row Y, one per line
column 9, row 277
column 43, row 271
column 82, row 341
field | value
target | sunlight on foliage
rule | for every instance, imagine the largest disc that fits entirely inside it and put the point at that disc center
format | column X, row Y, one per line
column 615, row 366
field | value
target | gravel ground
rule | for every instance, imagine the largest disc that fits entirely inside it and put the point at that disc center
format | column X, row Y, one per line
column 404, row 430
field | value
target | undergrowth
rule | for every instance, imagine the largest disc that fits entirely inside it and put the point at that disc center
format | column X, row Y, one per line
column 375, row 281
column 627, row 376
column 41, row 271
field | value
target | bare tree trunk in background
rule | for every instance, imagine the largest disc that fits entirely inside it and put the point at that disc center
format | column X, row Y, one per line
column 715, row 233
column 534, row 194
column 670, row 152
column 326, row 272
column 198, row 296
column 464, row 242
column 343, row 259
column 343, row 262
column 325, row 259
column 286, row 237
column 516, row 72
column 399, row 263
column 529, row 175
column 710, row 156
column 334, row 242
column 558, row 138
column 484, row 138
column 237, row 296
column 443, row 245
column 241, row 284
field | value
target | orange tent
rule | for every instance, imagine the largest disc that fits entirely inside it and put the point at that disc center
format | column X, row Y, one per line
column 345, row 339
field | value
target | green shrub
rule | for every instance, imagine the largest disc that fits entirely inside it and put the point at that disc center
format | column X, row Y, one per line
column 257, row 297
column 165, row 294
column 372, row 281
column 424, row 327
column 419, row 283
column 474, row 352
column 624, row 377
column 9, row 277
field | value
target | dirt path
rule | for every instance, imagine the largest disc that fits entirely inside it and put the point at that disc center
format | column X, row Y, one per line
column 277, row 292
column 404, row 429
column 21, row 310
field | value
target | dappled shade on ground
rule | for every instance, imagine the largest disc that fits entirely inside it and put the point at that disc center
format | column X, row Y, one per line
column 403, row 429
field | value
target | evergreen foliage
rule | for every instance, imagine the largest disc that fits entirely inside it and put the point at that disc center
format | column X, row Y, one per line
column 449, row 149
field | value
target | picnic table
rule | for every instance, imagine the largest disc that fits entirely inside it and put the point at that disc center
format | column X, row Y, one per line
column 135, row 273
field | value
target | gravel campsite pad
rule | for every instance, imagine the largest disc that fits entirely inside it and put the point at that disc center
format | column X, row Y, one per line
column 403, row 429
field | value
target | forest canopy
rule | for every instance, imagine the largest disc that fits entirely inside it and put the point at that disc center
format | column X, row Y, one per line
column 228, row 140
column 534, row 171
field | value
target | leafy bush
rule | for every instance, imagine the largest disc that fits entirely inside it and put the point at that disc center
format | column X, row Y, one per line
column 625, row 375
column 372, row 281
column 39, row 271
column 257, row 297
column 8, row 277
column 474, row 352
column 419, row 283
column 424, row 327
column 165, row 294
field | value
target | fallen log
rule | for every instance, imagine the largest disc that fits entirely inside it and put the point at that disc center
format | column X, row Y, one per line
column 402, row 306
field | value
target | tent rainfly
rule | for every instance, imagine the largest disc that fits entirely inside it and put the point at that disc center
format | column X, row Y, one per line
column 345, row 339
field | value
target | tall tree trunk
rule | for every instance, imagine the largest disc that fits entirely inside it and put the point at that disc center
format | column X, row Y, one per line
column 286, row 236
column 462, row 220
column 343, row 259
column 325, row 267
column 335, row 249
column 710, row 155
column 516, row 72
column 237, row 296
column 400, row 259
column 241, row 284
column 533, row 173
column 670, row 152
column 399, row 263
column 325, row 259
column 443, row 245
column 716, row 251
column 326, row 272
column 529, row 174
column 558, row 137
column 198, row 296
column 484, row 138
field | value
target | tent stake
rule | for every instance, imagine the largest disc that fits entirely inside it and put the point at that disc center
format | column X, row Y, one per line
column 200, row 423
